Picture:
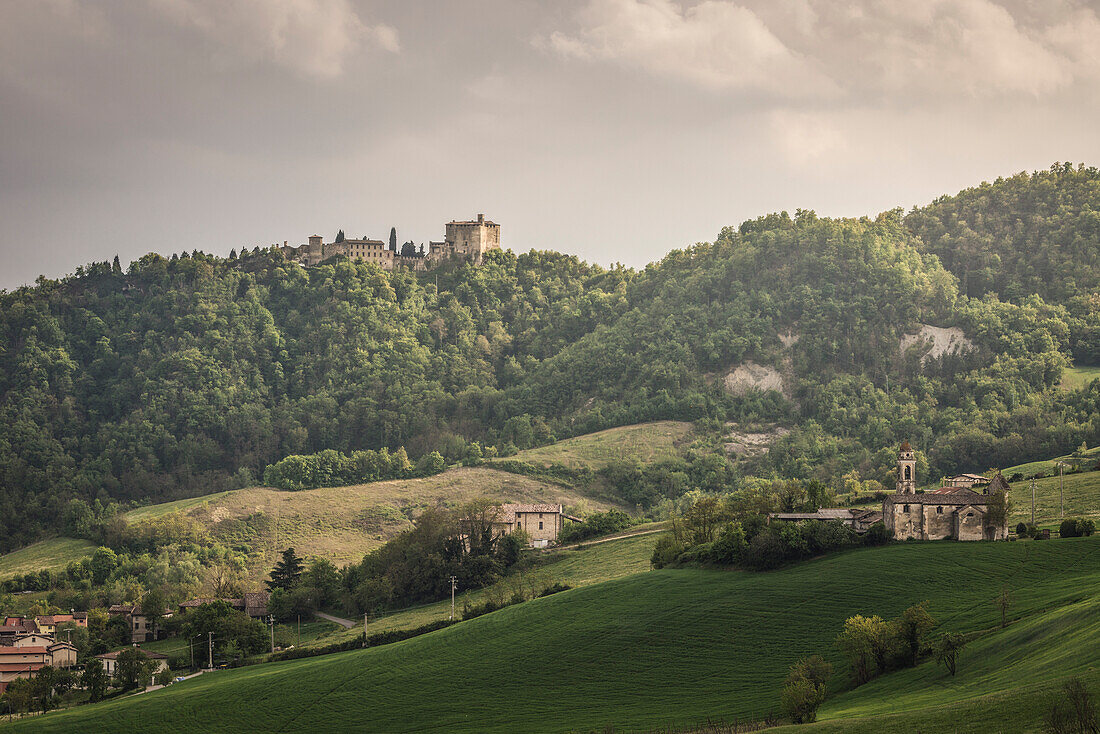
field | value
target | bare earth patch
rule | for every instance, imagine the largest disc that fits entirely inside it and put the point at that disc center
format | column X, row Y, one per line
column 751, row 443
column 938, row 341
column 752, row 377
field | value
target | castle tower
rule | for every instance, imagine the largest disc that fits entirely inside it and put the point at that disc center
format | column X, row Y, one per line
column 907, row 469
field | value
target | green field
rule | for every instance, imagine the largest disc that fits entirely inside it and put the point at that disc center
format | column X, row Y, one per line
column 1081, row 497
column 670, row 648
column 590, row 564
column 53, row 554
column 643, row 442
column 1078, row 377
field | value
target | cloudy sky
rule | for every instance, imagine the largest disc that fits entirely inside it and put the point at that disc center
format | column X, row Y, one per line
column 613, row 129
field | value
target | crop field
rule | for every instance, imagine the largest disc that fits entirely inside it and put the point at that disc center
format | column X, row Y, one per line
column 52, row 555
column 669, row 648
column 1081, row 497
column 643, row 442
column 589, row 564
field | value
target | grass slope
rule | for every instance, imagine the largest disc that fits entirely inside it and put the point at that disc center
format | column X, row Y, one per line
column 582, row 566
column 1074, row 378
column 643, row 442
column 53, row 554
column 1081, row 496
column 343, row 523
column 670, row 647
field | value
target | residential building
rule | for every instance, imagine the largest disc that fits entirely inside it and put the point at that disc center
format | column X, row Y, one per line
column 542, row 523
column 142, row 629
column 21, row 662
column 109, row 660
column 253, row 603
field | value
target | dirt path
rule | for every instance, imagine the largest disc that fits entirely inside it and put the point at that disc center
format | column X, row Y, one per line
column 347, row 623
column 606, row 540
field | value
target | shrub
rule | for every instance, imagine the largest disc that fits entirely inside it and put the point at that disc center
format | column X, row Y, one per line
column 730, row 545
column 1073, row 711
column 1085, row 528
column 554, row 589
column 877, row 534
column 804, row 690
column 948, row 649
column 1021, row 529
column 1068, row 528
column 600, row 523
column 666, row 551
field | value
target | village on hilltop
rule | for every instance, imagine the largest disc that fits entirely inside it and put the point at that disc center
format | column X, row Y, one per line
column 468, row 240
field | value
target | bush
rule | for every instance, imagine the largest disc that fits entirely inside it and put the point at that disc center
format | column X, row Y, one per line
column 1021, row 529
column 666, row 551
column 805, row 688
column 877, row 534
column 1073, row 711
column 600, row 523
column 1085, row 528
column 730, row 545
column 1068, row 528
column 554, row 589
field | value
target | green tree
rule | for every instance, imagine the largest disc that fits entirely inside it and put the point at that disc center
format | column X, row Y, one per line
column 95, row 679
column 339, row 236
column 133, row 668
column 104, row 562
column 1073, row 711
column 866, row 642
column 805, row 688
column 914, row 624
column 948, row 648
column 286, row 573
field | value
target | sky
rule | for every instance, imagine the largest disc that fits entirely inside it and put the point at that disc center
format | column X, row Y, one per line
column 615, row 130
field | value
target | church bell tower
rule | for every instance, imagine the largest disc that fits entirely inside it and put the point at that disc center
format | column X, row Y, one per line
column 907, row 469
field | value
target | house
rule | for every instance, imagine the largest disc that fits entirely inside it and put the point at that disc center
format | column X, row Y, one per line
column 857, row 519
column 965, row 481
column 109, row 660
column 142, row 629
column 253, row 603
column 542, row 523
column 32, row 639
column 62, row 654
column 21, row 662
column 947, row 512
column 47, row 623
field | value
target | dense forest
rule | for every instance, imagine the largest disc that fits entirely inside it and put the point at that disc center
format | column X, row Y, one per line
column 185, row 375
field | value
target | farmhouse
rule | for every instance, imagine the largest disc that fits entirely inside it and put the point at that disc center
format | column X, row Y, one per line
column 142, row 629
column 949, row 512
column 253, row 603
column 542, row 523
column 857, row 519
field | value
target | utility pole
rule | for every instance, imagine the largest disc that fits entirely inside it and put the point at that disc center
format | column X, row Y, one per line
column 1061, row 490
column 365, row 617
column 271, row 624
column 1032, row 501
column 453, row 584
column 191, row 645
column 299, row 630
column 210, row 650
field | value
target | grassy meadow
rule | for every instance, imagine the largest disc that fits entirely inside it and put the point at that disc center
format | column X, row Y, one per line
column 1081, row 497
column 1074, row 378
column 643, row 442
column 671, row 648
column 52, row 555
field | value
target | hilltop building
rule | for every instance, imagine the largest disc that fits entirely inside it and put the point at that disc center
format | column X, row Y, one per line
column 953, row 511
column 468, row 240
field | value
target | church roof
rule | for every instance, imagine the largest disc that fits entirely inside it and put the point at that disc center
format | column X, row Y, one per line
column 998, row 484
column 905, row 446
column 960, row 497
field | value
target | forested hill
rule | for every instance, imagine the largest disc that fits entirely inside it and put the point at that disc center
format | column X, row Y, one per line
column 187, row 375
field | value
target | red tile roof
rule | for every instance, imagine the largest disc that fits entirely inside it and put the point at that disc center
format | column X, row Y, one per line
column 147, row 653
column 28, row 650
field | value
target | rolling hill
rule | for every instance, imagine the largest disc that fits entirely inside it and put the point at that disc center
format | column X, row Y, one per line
column 667, row 648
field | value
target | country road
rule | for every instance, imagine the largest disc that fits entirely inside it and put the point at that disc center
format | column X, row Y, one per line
column 605, row 540
column 336, row 620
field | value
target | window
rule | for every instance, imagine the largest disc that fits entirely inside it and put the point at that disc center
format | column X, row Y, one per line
column 906, row 509
column 908, row 475
column 540, row 526
column 939, row 510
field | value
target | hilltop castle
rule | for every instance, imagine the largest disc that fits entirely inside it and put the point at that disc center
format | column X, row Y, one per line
column 463, row 240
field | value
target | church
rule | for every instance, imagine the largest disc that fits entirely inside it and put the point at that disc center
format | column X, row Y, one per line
column 954, row 511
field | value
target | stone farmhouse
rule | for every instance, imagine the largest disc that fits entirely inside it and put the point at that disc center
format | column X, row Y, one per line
column 954, row 511
column 253, row 603
column 468, row 240
column 142, row 629
column 542, row 523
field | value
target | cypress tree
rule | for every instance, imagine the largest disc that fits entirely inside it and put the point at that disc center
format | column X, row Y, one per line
column 393, row 238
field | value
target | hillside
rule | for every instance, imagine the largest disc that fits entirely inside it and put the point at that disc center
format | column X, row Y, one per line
column 189, row 375
column 654, row 649
column 644, row 443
